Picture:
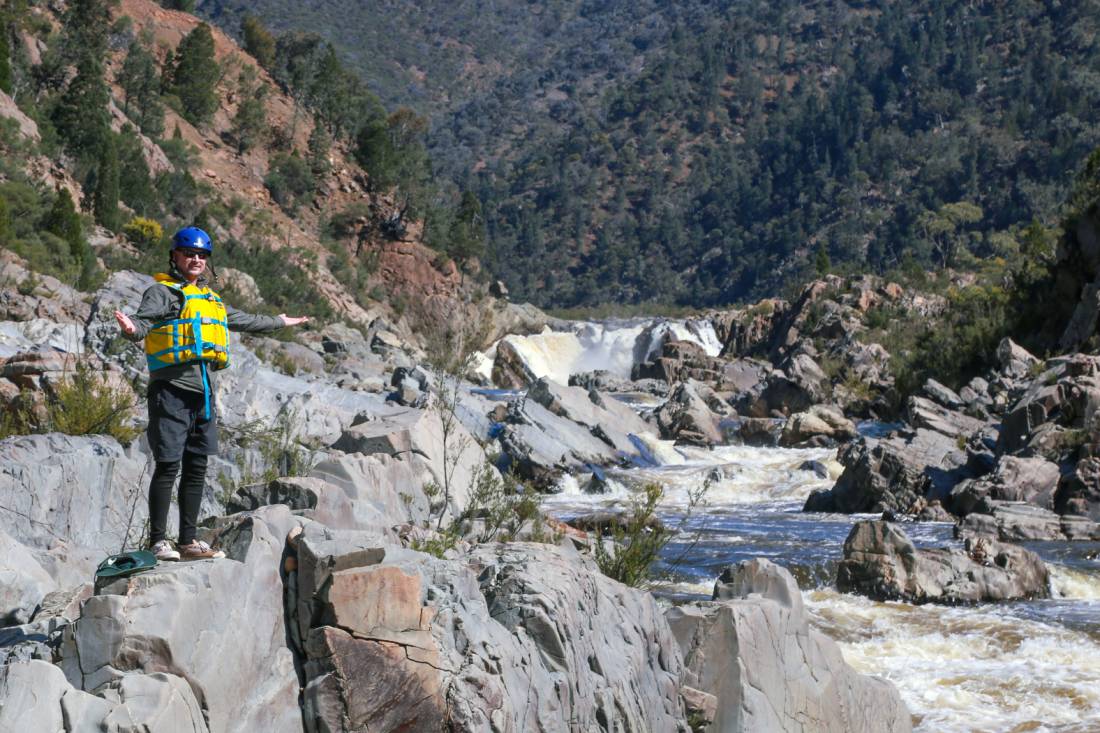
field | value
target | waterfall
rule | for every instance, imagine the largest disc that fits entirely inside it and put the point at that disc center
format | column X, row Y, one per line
column 613, row 346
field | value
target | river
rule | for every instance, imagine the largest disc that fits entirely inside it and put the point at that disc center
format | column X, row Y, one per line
column 995, row 668
column 1032, row 666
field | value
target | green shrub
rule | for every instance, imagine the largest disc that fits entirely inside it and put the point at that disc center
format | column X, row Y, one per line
column 958, row 344
column 499, row 507
column 143, row 232
column 280, row 453
column 85, row 404
column 290, row 181
column 638, row 539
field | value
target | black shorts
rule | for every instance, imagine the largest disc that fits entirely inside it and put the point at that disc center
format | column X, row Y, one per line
column 178, row 422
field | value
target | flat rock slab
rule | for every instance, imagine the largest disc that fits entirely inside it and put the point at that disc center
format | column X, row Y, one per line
column 1011, row 521
column 76, row 489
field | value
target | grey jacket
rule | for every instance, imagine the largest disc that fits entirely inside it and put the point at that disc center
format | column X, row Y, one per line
column 161, row 303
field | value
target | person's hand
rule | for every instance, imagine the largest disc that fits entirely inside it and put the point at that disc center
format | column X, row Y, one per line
column 293, row 320
column 125, row 323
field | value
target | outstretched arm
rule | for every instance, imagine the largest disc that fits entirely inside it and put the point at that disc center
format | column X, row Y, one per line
column 125, row 323
column 158, row 303
column 254, row 323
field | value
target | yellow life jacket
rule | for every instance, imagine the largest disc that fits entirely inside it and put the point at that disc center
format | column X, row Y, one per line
column 200, row 333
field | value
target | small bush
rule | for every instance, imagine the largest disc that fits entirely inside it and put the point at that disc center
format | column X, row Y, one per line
column 281, row 455
column 143, row 232
column 290, row 181
column 84, row 404
column 637, row 541
column 499, row 507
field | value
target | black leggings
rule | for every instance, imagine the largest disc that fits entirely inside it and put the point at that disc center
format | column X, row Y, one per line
column 190, row 496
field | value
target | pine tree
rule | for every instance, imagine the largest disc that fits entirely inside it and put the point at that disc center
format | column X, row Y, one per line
column 186, row 6
column 467, row 235
column 250, row 121
column 195, row 76
column 5, row 222
column 258, row 41
column 141, row 86
column 81, row 115
column 6, row 80
column 86, row 24
column 320, row 144
column 105, row 196
column 135, row 182
column 822, row 264
column 63, row 221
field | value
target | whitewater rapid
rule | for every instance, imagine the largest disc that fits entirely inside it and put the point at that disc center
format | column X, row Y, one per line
column 1031, row 666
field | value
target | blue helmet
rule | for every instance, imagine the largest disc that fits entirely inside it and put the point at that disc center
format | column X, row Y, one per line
column 192, row 238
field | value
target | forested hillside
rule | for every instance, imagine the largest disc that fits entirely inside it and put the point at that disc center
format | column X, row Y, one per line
column 121, row 121
column 704, row 152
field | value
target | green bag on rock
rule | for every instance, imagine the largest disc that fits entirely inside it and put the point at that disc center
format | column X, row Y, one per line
column 127, row 563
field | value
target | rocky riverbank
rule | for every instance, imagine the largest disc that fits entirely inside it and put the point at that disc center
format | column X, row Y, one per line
column 334, row 618
column 341, row 466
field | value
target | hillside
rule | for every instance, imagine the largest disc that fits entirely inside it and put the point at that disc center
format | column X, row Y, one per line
column 702, row 153
column 304, row 222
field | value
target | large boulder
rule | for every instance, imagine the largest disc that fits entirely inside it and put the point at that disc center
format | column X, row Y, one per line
column 687, row 417
column 1079, row 492
column 541, row 446
column 819, row 423
column 924, row 413
column 1033, row 480
column 23, row 582
column 364, row 631
column 745, row 332
column 184, row 619
column 893, row 473
column 799, row 386
column 40, row 297
column 510, row 370
column 1014, row 521
column 754, row 650
column 373, row 491
column 679, row 361
column 511, row 637
column 1015, row 360
column 532, row 636
column 606, row 418
column 448, row 458
column 881, row 562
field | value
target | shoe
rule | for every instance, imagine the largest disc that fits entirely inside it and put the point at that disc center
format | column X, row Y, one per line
column 164, row 552
column 199, row 550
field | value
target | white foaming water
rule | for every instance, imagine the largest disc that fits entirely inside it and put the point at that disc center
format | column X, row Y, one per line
column 738, row 475
column 741, row 475
column 1071, row 583
column 968, row 669
column 588, row 346
column 662, row 452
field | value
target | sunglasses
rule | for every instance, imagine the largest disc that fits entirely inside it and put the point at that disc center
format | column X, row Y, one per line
column 192, row 253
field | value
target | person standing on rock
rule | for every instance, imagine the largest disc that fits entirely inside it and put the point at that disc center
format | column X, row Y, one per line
column 186, row 328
